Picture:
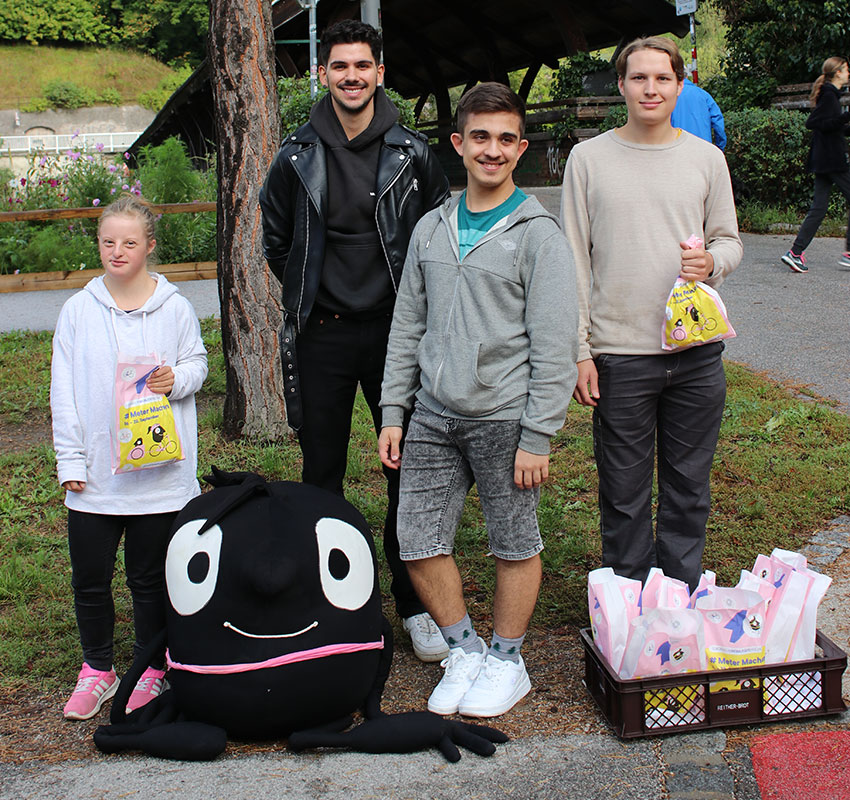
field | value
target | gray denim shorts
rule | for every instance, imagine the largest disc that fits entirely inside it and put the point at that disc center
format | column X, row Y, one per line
column 442, row 458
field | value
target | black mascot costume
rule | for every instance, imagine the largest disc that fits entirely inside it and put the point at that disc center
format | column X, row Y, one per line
column 274, row 630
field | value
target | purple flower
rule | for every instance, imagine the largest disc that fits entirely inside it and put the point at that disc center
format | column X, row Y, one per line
column 112, row 190
column 89, row 158
column 23, row 181
column 99, row 147
column 73, row 154
column 42, row 161
column 96, row 201
column 125, row 187
column 53, row 183
column 126, row 156
column 74, row 135
column 112, row 168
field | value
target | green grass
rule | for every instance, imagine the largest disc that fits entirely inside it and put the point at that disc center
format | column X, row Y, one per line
column 756, row 217
column 782, row 469
column 27, row 68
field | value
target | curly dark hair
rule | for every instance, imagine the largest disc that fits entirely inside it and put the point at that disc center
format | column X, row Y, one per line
column 350, row 31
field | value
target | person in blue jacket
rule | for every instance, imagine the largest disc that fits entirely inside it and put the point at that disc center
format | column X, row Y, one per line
column 827, row 157
column 697, row 113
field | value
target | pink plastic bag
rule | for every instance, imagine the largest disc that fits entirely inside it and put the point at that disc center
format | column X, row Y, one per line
column 659, row 591
column 664, row 641
column 613, row 602
column 734, row 630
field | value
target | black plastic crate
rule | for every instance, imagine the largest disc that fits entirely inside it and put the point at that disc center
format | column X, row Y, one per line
column 699, row 700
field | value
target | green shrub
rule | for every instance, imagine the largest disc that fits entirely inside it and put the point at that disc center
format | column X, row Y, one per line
column 55, row 246
column 295, row 103
column 36, row 105
column 752, row 89
column 66, row 94
column 766, row 152
column 615, row 118
column 156, row 98
column 167, row 173
column 571, row 72
column 110, row 97
column 76, row 178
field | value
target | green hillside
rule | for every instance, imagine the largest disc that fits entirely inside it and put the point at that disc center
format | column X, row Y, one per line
column 27, row 68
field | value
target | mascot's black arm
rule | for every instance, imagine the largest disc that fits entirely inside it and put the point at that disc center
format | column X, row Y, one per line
column 156, row 729
column 399, row 733
column 405, row 733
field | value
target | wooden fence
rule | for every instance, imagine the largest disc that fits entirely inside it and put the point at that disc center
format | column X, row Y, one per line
column 76, row 279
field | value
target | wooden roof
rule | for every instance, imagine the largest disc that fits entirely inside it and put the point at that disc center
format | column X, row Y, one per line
column 432, row 45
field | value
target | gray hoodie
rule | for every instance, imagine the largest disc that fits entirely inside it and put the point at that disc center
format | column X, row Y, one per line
column 492, row 337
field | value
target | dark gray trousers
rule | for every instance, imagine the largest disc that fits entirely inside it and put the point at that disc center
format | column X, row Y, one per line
column 820, row 205
column 675, row 400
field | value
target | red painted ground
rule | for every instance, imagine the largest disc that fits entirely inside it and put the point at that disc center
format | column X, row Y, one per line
column 799, row 766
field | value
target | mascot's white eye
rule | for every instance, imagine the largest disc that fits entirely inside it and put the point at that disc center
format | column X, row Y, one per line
column 191, row 567
column 345, row 564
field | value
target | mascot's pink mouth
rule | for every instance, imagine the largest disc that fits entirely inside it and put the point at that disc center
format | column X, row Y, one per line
column 314, row 624
column 278, row 661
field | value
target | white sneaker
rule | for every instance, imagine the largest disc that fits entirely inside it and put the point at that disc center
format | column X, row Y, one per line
column 500, row 685
column 461, row 671
column 428, row 642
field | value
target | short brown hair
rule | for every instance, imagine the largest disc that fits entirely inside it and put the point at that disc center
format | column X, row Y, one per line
column 490, row 97
column 652, row 43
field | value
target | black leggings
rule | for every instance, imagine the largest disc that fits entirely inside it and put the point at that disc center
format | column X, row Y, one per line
column 93, row 543
column 820, row 204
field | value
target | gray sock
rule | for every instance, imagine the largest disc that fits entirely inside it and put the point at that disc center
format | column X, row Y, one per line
column 506, row 649
column 462, row 635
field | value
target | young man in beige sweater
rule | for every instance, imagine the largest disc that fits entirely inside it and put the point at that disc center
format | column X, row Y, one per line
column 631, row 198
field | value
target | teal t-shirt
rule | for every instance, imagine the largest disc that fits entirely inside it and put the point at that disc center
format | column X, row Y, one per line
column 472, row 225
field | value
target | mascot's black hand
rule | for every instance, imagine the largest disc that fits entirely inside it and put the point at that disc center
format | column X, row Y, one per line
column 181, row 741
column 405, row 733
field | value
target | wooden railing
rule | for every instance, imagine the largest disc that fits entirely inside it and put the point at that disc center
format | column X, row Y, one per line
column 76, row 279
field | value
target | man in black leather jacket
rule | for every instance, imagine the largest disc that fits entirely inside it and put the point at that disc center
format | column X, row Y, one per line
column 339, row 205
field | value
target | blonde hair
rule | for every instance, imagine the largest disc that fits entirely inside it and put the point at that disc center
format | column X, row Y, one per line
column 652, row 43
column 828, row 71
column 129, row 205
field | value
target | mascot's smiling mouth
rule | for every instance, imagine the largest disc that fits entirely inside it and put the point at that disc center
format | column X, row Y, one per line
column 314, row 624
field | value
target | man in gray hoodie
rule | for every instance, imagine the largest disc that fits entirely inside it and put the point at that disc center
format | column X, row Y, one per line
column 483, row 347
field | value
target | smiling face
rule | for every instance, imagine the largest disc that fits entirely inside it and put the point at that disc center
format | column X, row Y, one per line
column 490, row 145
column 124, row 247
column 650, row 88
column 351, row 76
column 274, row 609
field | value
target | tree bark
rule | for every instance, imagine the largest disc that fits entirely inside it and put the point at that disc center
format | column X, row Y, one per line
column 248, row 135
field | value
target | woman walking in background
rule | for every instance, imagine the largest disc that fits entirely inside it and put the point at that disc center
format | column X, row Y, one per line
column 827, row 157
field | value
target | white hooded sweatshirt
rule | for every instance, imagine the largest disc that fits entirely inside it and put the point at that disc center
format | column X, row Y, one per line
column 90, row 332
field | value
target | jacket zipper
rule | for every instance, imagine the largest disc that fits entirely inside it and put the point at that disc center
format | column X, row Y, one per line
column 414, row 187
column 377, row 223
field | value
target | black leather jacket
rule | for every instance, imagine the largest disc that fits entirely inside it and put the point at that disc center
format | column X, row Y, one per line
column 409, row 182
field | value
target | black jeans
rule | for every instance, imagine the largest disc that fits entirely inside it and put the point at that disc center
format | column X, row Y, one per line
column 334, row 354
column 93, row 543
column 820, row 204
column 678, row 400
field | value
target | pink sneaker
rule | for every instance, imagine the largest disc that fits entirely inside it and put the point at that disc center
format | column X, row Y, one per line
column 94, row 688
column 150, row 685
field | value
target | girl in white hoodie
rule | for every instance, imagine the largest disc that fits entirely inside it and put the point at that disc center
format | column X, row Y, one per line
column 140, row 313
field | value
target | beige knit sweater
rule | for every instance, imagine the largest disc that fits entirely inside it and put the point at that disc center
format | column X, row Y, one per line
column 625, row 207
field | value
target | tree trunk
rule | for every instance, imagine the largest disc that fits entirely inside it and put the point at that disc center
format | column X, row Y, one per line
column 248, row 135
